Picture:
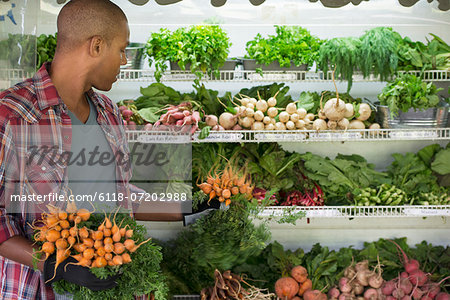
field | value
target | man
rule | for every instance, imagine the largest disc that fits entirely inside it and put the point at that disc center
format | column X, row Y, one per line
column 92, row 37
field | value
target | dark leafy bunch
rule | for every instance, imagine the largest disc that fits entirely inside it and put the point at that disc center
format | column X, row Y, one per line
column 409, row 91
column 267, row 91
column 342, row 54
column 290, row 44
column 142, row 276
column 45, row 49
column 204, row 47
column 221, row 240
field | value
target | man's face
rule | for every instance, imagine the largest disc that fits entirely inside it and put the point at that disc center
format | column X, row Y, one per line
column 111, row 60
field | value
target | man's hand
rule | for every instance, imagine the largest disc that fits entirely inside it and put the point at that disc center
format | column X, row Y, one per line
column 76, row 274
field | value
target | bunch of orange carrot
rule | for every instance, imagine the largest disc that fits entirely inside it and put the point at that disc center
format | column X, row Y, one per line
column 108, row 244
column 228, row 183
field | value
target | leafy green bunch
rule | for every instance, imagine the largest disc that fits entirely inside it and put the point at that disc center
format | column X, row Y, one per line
column 19, row 51
column 45, row 49
column 435, row 55
column 202, row 48
column 408, row 91
column 290, row 44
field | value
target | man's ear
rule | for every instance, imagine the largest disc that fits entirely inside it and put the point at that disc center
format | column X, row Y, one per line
column 96, row 46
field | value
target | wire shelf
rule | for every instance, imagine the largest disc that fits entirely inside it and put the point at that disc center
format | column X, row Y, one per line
column 306, row 136
column 359, row 211
column 267, row 76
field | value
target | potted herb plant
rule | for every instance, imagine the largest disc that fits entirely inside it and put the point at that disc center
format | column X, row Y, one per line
column 198, row 48
column 292, row 47
column 407, row 101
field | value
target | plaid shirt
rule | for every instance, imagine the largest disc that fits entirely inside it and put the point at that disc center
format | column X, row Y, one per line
column 36, row 102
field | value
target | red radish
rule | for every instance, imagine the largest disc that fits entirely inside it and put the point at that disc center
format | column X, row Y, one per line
column 127, row 113
column 186, row 113
column 404, row 275
column 410, row 265
column 418, row 277
column 211, row 120
column 345, row 296
column 434, row 291
column 187, row 120
column 286, row 288
column 388, row 287
column 196, row 117
column 122, row 108
column 179, row 123
column 344, row 286
column 148, row 126
column 131, row 125
column 443, row 296
column 125, row 122
column 177, row 115
column 371, row 294
column 236, row 127
column 333, row 293
column 426, row 298
column 406, row 286
column 406, row 297
column 390, row 298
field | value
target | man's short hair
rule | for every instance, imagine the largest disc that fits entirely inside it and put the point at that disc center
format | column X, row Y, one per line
column 80, row 20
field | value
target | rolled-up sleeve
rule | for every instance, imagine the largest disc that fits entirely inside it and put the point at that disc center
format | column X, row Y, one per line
column 9, row 223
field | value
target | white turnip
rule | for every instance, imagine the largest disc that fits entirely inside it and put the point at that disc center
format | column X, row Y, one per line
column 270, row 126
column 321, row 115
column 280, row 126
column 295, row 117
column 272, row 102
column 252, row 101
column 258, row 125
column 236, row 127
column 245, row 101
column 290, row 125
column 247, row 122
column 272, row 112
column 258, row 116
column 300, row 124
column 291, row 108
column 334, row 109
column 310, row 117
column 345, row 296
column 358, row 289
column 262, row 105
column 211, row 120
column 332, row 124
column 251, row 106
column 349, row 110
column 227, row 120
column 283, row 117
column 349, row 272
column 343, row 124
column 249, row 112
column 364, row 112
column 302, row 113
column 266, row 120
column 356, row 124
column 319, row 124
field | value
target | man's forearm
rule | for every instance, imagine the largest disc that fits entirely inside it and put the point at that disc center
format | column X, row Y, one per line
column 19, row 249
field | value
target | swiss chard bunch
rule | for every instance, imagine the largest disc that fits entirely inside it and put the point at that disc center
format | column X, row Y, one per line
column 408, row 91
column 204, row 47
column 290, row 44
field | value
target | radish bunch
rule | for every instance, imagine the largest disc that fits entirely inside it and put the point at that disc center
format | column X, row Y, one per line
column 130, row 115
column 179, row 115
column 413, row 283
column 359, row 282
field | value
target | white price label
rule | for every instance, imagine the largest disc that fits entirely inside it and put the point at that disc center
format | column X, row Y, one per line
column 322, row 213
column 413, row 134
column 270, row 77
column 166, row 139
column 221, row 137
column 335, row 136
column 426, row 212
column 280, row 136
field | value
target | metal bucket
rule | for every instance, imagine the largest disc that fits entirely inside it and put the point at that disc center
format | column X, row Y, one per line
column 135, row 56
column 432, row 117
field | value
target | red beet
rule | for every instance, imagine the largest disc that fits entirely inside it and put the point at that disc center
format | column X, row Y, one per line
column 443, row 296
column 406, row 286
column 418, row 278
column 333, row 293
column 388, row 287
column 410, row 265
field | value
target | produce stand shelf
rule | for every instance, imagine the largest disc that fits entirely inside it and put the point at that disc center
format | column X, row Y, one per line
column 360, row 211
column 268, row 76
column 251, row 136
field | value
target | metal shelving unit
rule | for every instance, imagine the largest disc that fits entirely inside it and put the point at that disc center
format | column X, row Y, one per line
column 360, row 211
column 268, row 76
column 306, row 136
